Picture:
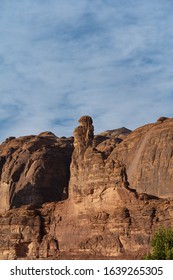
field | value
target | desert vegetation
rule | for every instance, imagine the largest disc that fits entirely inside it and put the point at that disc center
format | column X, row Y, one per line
column 162, row 245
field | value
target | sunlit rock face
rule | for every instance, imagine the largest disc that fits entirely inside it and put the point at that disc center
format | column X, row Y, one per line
column 148, row 156
column 101, row 197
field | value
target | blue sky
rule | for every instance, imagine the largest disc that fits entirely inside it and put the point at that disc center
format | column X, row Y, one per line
column 61, row 59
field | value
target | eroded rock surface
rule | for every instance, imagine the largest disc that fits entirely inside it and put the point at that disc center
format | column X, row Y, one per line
column 34, row 170
column 148, row 156
column 120, row 192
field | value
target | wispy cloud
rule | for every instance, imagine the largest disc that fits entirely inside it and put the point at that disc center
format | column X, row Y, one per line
column 62, row 59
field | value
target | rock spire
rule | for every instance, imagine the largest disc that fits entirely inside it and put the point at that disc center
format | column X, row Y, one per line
column 83, row 134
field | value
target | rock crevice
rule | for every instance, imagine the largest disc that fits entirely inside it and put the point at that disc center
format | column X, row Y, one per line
column 99, row 196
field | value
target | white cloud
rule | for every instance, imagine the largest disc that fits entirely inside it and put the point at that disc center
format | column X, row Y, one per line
column 62, row 59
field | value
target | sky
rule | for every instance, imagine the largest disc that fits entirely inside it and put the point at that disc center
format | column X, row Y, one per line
column 61, row 59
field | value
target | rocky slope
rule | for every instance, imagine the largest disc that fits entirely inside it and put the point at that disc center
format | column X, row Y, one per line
column 106, row 204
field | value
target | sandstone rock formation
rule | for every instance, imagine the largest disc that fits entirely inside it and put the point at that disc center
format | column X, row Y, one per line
column 33, row 170
column 108, row 140
column 120, row 191
column 148, row 156
column 83, row 135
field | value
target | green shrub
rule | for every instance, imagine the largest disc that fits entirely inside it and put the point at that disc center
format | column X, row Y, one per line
column 162, row 245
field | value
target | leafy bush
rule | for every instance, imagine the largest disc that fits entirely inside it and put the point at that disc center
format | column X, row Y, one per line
column 162, row 245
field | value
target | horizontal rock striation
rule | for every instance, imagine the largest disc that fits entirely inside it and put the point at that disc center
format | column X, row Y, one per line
column 104, row 200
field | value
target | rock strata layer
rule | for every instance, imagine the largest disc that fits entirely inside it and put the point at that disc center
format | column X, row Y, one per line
column 106, row 204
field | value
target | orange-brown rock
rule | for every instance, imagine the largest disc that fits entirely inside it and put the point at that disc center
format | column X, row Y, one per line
column 34, row 170
column 115, row 216
column 116, row 198
column 20, row 234
column 148, row 156
column 83, row 134
column 107, row 141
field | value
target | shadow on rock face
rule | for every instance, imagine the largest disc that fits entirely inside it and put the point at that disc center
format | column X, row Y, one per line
column 43, row 179
column 34, row 170
column 38, row 195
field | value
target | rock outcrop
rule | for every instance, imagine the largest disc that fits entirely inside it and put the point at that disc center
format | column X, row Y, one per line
column 148, row 156
column 118, row 192
column 34, row 170
column 117, row 217
column 83, row 135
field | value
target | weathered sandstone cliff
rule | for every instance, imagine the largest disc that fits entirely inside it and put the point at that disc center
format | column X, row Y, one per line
column 34, row 170
column 118, row 191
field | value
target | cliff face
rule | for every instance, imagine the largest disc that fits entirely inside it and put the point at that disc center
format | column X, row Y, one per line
column 119, row 192
column 148, row 156
column 34, row 170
